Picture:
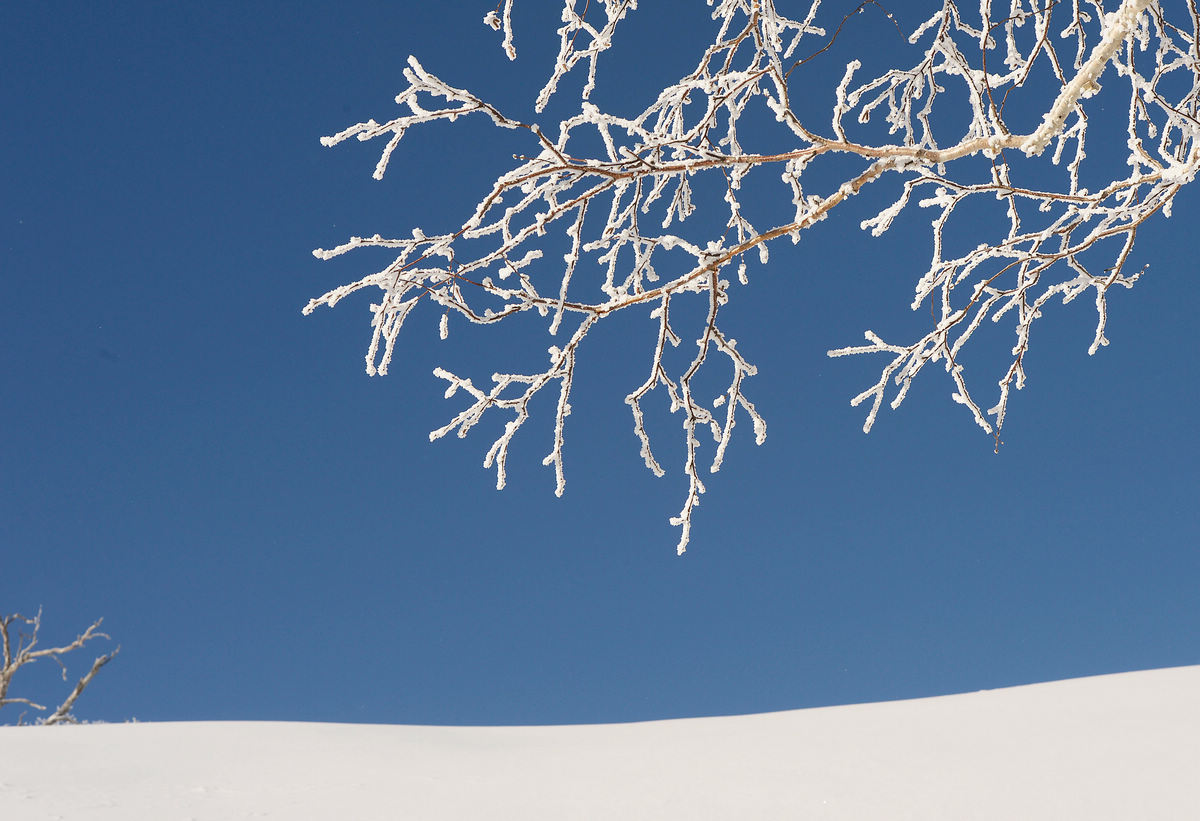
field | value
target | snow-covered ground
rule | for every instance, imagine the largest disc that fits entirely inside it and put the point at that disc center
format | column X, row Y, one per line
column 1122, row 747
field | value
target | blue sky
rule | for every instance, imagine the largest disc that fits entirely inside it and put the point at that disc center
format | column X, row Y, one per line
column 269, row 534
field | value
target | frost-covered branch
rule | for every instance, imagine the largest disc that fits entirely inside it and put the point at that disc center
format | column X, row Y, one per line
column 982, row 109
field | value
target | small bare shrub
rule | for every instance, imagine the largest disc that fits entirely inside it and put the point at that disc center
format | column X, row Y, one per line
column 22, row 649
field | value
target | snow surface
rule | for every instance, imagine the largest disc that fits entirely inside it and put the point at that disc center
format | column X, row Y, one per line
column 1123, row 746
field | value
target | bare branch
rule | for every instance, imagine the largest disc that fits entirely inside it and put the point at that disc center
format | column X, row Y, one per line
column 22, row 652
column 63, row 713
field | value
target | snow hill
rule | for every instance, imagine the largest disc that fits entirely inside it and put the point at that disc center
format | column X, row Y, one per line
column 1123, row 746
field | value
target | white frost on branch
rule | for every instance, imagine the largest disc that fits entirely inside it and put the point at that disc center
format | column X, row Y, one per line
column 600, row 214
column 1118, row 27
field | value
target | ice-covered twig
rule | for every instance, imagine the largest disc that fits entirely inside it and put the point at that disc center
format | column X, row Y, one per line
column 949, row 127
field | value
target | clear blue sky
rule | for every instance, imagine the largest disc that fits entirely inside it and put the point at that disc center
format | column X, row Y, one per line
column 269, row 535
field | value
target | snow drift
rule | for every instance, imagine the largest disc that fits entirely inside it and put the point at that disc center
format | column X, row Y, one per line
column 1123, row 746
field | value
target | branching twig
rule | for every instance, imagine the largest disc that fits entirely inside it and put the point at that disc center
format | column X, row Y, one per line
column 23, row 651
column 624, row 213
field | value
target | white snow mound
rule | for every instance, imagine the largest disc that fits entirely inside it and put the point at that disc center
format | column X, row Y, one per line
column 1123, row 746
